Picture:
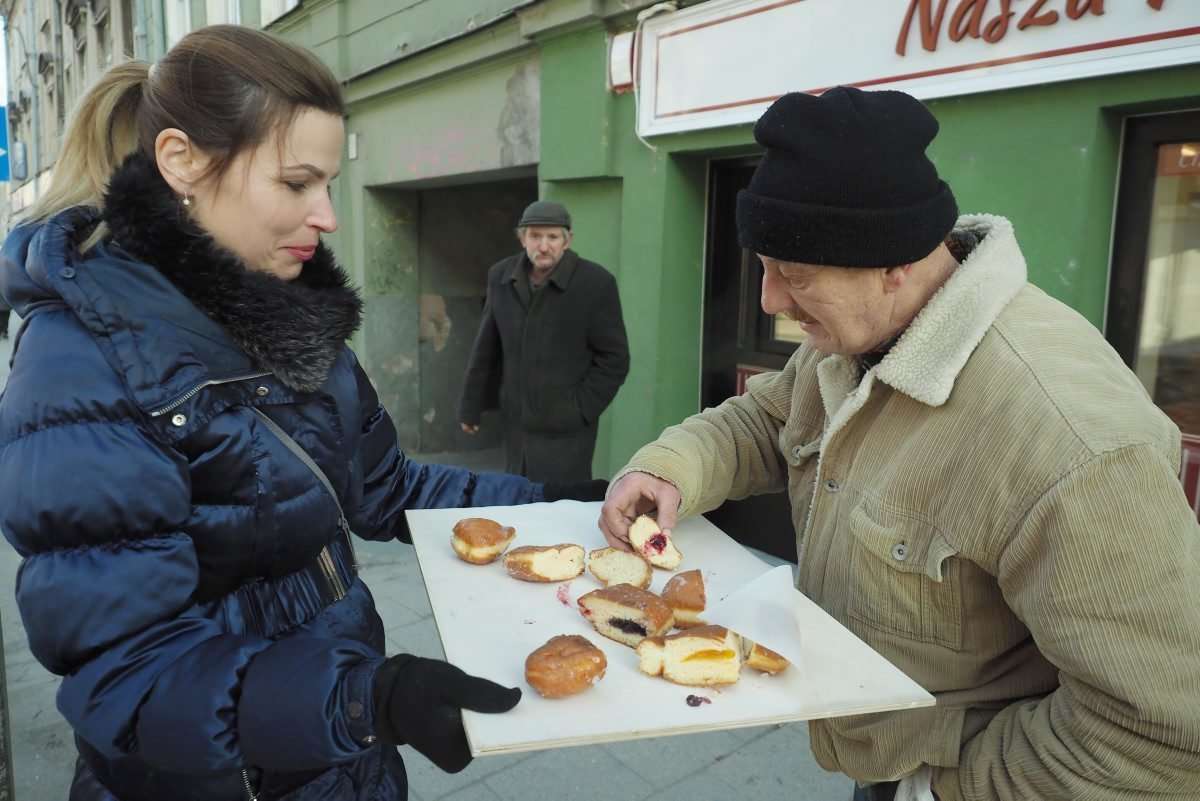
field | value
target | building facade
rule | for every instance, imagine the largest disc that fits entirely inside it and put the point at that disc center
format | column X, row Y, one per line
column 1078, row 120
column 1065, row 120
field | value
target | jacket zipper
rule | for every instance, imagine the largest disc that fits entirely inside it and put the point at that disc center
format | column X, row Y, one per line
column 325, row 558
column 191, row 393
column 250, row 794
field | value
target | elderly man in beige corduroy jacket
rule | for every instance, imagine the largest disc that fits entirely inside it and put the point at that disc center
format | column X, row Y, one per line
column 982, row 491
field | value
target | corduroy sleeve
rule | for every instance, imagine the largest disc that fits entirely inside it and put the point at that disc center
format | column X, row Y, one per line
column 730, row 451
column 1104, row 570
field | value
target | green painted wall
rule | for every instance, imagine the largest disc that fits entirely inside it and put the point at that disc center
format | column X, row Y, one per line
column 595, row 206
column 358, row 37
column 389, row 336
column 1047, row 158
column 578, row 119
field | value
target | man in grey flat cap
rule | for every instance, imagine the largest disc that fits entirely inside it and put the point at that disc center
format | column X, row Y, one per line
column 551, row 349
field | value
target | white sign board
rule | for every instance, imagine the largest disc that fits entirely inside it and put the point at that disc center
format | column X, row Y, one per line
column 489, row 622
column 723, row 62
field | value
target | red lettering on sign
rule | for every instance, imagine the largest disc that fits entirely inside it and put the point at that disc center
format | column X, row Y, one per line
column 998, row 27
column 1032, row 18
column 1077, row 8
column 968, row 16
column 931, row 26
column 973, row 25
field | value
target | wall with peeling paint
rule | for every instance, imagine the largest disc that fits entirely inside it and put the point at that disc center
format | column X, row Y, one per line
column 461, row 125
column 388, row 342
column 473, row 128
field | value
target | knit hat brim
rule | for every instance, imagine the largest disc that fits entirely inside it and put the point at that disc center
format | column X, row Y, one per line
column 844, row 237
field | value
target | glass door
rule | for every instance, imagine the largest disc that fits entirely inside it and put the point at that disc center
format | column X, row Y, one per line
column 1154, row 297
column 739, row 341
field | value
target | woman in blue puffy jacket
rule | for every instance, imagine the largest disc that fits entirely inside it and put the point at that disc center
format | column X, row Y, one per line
column 186, row 444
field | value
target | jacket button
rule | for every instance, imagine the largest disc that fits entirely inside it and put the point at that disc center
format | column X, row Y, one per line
column 354, row 709
column 369, row 739
column 262, row 392
column 179, row 420
column 797, row 453
column 67, row 272
column 899, row 551
column 832, row 486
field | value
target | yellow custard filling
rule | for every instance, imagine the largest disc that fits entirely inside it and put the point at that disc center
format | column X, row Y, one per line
column 712, row 654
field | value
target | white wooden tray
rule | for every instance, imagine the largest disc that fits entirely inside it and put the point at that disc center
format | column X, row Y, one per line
column 489, row 622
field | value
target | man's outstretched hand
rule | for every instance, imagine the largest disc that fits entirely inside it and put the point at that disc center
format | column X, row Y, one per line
column 637, row 494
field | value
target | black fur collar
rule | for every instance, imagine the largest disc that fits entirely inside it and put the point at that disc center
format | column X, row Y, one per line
column 294, row 329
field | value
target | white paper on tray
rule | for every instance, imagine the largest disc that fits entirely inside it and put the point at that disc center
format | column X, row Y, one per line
column 766, row 610
column 489, row 622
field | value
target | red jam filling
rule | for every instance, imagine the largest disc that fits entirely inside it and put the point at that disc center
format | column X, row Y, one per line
column 658, row 542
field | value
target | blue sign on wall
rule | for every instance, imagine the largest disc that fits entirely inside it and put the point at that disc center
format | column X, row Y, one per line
column 3, row 143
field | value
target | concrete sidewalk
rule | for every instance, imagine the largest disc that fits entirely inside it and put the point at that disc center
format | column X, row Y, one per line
column 768, row 764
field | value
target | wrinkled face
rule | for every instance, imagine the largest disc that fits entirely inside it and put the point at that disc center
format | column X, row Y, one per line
column 545, row 245
column 841, row 309
column 273, row 203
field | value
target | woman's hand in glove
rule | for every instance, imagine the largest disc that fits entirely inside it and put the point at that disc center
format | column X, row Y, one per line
column 419, row 701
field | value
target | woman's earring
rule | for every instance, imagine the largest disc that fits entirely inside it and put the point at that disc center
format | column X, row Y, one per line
column 187, row 200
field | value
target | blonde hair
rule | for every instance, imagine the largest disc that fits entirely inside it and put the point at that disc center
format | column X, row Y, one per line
column 227, row 87
column 102, row 132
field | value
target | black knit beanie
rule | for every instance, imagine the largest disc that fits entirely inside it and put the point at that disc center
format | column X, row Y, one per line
column 845, row 181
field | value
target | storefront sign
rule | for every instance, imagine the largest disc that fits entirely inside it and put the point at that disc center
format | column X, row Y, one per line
column 1179, row 159
column 724, row 61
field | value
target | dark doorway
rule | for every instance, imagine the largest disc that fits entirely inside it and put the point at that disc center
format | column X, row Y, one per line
column 740, row 340
column 462, row 230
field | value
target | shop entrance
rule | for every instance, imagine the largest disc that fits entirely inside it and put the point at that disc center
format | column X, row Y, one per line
column 739, row 341
column 1154, row 293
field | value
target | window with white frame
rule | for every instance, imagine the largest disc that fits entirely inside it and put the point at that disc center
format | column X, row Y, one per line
column 179, row 19
column 223, row 12
column 274, row 9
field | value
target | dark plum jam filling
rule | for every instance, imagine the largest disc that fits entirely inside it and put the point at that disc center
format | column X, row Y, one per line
column 658, row 542
column 627, row 626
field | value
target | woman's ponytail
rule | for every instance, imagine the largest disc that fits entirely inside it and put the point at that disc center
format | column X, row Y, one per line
column 102, row 132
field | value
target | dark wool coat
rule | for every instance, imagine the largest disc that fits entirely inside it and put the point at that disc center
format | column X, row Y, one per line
column 556, row 359
column 170, row 539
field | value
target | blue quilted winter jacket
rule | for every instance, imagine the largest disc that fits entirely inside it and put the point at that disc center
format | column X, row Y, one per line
column 182, row 566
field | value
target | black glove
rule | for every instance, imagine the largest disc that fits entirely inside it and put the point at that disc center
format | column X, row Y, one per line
column 582, row 491
column 420, row 701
